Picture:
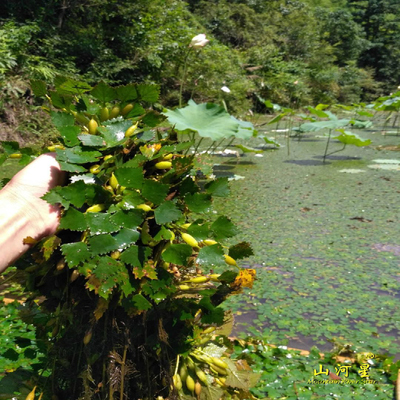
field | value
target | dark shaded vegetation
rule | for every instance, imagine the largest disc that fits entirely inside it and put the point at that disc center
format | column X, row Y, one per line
column 291, row 52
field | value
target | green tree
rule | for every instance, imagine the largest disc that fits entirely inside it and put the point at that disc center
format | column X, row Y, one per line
column 380, row 20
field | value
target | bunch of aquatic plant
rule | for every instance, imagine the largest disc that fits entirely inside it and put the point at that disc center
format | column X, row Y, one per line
column 126, row 295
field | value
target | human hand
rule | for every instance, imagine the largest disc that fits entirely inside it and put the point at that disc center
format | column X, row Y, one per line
column 22, row 211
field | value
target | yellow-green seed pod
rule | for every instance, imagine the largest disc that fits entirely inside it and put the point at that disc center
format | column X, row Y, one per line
column 189, row 239
column 219, row 363
column 229, row 260
column 205, row 339
column 131, row 130
column 184, row 287
column 144, row 207
column 74, row 276
column 92, row 126
column 209, row 242
column 88, row 337
column 96, row 208
column 31, row 395
column 113, row 181
column 95, row 169
column 126, row 109
column 218, row 370
column 55, row 147
column 208, row 330
column 214, row 277
column 40, row 397
column 185, row 226
column 107, row 157
column 114, row 112
column 15, row 155
column 219, row 382
column 164, row 165
column 104, row 114
column 115, row 254
column 183, row 372
column 199, row 279
column 61, row 264
column 167, row 157
column 81, row 118
column 177, row 382
column 190, row 383
column 201, row 375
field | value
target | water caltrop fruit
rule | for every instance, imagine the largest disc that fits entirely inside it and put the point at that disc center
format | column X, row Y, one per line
column 164, row 165
column 92, row 126
column 190, row 240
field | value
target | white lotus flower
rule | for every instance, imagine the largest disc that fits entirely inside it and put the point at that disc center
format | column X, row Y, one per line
column 199, row 41
column 225, row 89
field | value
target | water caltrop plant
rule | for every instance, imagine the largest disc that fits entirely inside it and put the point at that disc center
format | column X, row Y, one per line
column 126, row 296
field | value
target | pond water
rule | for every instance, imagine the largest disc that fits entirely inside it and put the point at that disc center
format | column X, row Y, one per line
column 327, row 244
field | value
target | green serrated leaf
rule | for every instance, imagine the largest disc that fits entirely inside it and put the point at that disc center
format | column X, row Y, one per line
column 100, row 223
column 10, row 147
column 127, row 219
column 72, row 87
column 148, row 93
column 240, row 250
column 49, row 245
column 153, row 118
column 70, row 135
column 62, row 119
column 136, row 256
column 73, row 220
column 71, row 167
column 96, row 194
column 127, row 93
column 38, row 87
column 211, row 256
column 102, row 244
column 199, row 230
column 108, row 274
column 177, row 254
column 154, row 191
column 60, row 101
column 163, row 234
column 136, row 111
column 130, row 177
column 141, row 303
column 167, row 212
column 114, row 132
column 91, row 140
column 130, row 200
column 218, row 187
column 125, row 237
column 198, row 202
column 103, row 92
column 223, row 228
column 76, row 155
column 75, row 253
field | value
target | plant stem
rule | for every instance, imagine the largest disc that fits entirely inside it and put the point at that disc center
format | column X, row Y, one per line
column 337, row 151
column 183, row 76
column 327, row 144
column 198, row 144
column 121, row 394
